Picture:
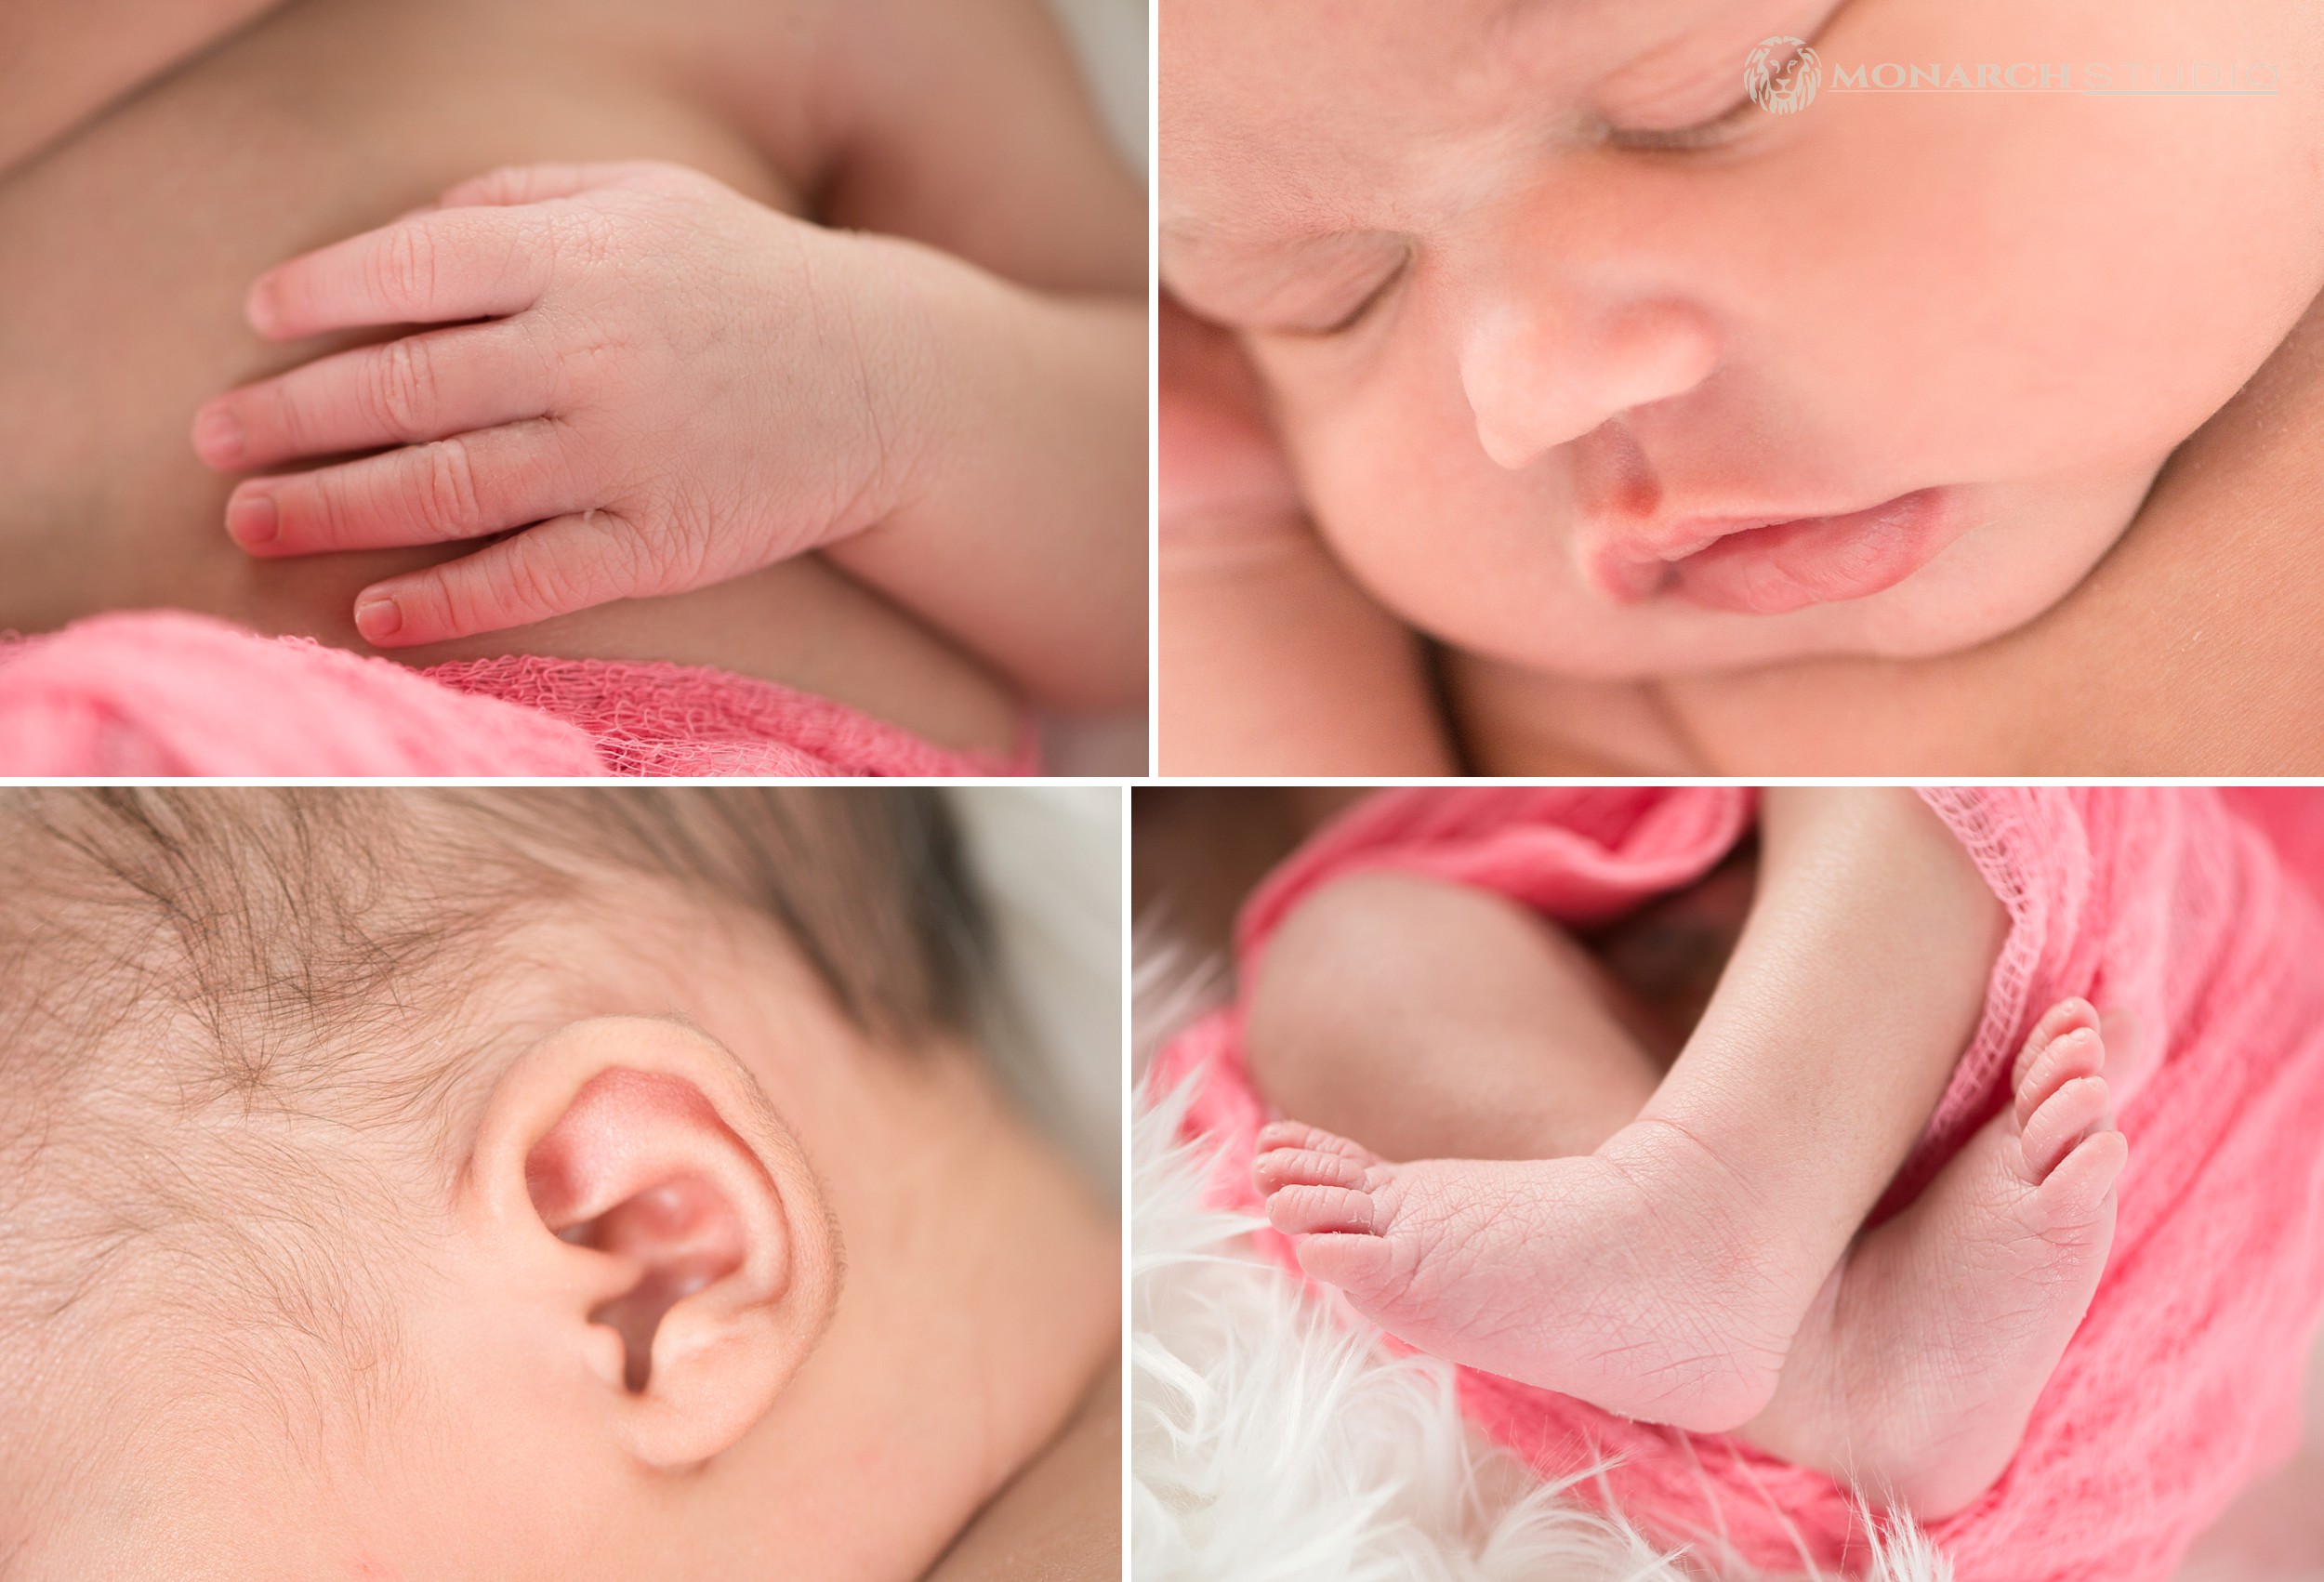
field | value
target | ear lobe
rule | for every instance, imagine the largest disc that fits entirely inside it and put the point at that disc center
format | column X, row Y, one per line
column 633, row 1166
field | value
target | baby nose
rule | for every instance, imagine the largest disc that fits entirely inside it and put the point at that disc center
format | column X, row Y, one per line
column 1537, row 379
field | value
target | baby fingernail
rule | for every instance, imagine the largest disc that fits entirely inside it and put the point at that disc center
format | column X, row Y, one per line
column 252, row 519
column 258, row 307
column 377, row 618
column 218, row 437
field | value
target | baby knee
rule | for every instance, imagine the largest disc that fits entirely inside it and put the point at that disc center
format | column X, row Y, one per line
column 1330, row 967
column 1382, row 959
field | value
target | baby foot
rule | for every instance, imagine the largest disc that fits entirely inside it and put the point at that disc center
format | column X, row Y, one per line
column 1923, row 1360
column 1579, row 1275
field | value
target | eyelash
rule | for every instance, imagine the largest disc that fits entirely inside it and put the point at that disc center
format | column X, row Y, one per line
column 1714, row 133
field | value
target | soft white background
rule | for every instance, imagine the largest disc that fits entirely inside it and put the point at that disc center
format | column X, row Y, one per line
column 1110, row 38
column 1047, row 860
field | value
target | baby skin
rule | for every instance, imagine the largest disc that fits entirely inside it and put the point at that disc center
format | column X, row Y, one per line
column 648, row 383
column 1689, row 1247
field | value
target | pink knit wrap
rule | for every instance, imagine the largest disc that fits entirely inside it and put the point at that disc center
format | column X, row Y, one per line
column 2176, row 914
column 162, row 692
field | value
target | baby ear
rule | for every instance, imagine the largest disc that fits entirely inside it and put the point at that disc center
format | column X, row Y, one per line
column 629, row 1175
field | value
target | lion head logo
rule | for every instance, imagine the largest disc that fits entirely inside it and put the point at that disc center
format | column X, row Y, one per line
column 1782, row 76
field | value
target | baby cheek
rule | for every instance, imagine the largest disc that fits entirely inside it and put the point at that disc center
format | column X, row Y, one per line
column 1437, row 532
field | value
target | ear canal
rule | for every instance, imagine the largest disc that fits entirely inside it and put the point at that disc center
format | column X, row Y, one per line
column 681, row 1236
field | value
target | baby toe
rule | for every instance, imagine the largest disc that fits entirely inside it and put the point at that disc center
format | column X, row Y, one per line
column 2077, row 1111
column 2076, row 1053
column 1305, row 1167
column 2074, row 1194
column 1310, row 1139
column 2056, row 1022
column 1320, row 1211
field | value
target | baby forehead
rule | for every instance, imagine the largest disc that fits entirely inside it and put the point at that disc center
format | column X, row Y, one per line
column 1270, row 113
column 1300, row 57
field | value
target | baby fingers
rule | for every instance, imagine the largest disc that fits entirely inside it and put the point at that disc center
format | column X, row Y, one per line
column 422, row 387
column 461, row 487
column 429, row 267
column 571, row 563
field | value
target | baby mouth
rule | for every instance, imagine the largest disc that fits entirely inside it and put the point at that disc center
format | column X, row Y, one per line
column 1764, row 567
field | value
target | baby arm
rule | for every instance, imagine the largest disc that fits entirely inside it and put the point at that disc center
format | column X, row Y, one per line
column 1271, row 660
column 964, row 123
column 663, row 384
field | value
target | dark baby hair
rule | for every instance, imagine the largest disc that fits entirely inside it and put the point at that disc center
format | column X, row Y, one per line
column 198, row 984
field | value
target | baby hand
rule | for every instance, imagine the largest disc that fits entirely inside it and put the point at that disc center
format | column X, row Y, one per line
column 1220, row 459
column 660, row 383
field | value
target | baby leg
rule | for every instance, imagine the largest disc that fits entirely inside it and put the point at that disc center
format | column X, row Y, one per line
column 1665, row 1275
column 1423, row 1018
column 1427, row 1018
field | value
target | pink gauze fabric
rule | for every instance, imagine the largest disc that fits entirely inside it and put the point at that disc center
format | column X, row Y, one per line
column 684, row 719
column 166, row 693
column 2187, row 925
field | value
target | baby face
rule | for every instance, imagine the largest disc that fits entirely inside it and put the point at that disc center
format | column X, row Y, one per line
column 1587, row 362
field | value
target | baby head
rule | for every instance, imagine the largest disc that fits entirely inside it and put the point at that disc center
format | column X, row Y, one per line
column 1591, row 359
column 438, row 1184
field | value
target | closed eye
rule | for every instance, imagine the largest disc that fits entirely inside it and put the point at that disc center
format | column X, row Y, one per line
column 1740, row 115
column 1321, row 315
column 1362, row 310
column 1719, row 130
